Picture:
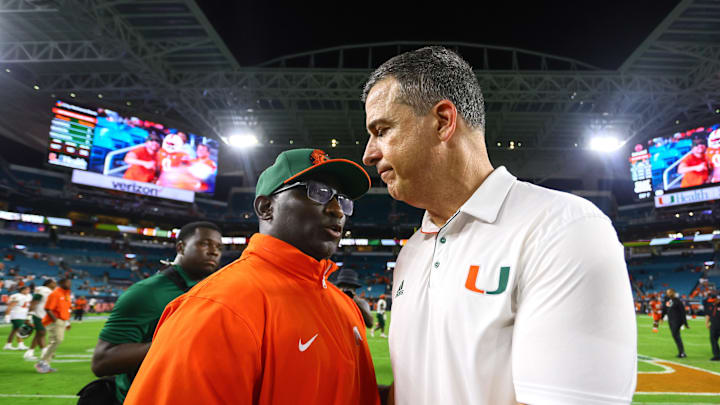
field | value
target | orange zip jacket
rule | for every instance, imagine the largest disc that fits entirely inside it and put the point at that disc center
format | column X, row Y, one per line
column 266, row 329
column 59, row 303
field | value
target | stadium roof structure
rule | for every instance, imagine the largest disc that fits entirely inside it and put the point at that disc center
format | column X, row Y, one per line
column 163, row 60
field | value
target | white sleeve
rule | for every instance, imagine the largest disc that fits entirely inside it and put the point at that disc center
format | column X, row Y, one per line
column 575, row 338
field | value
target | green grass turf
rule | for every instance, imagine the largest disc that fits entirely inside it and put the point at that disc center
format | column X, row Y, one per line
column 661, row 345
column 646, row 366
column 19, row 377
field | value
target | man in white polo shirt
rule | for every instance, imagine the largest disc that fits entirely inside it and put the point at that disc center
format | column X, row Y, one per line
column 509, row 293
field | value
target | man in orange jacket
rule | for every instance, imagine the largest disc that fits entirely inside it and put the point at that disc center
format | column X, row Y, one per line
column 268, row 328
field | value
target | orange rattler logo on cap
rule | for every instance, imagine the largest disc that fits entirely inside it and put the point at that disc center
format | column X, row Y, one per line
column 318, row 156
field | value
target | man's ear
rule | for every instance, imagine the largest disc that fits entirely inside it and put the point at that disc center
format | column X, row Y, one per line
column 264, row 207
column 446, row 116
column 180, row 247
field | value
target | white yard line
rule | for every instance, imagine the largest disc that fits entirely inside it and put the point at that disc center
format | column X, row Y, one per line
column 654, row 359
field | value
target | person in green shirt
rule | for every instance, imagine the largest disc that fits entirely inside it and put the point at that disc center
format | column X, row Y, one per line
column 126, row 336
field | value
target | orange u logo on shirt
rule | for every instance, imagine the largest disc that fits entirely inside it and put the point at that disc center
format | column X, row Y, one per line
column 502, row 283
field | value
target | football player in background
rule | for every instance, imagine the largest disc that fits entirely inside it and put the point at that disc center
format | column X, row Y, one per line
column 37, row 310
column 380, row 316
column 655, row 312
column 712, row 154
column 17, row 313
column 712, row 322
column 143, row 159
column 694, row 167
column 79, row 308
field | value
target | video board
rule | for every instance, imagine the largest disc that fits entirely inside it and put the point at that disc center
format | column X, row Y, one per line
column 683, row 168
column 132, row 154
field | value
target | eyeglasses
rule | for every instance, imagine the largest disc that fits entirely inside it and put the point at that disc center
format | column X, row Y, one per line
column 322, row 194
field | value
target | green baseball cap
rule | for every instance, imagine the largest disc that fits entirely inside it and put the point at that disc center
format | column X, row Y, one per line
column 299, row 164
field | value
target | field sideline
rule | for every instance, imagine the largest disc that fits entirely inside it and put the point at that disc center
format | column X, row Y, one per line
column 663, row 379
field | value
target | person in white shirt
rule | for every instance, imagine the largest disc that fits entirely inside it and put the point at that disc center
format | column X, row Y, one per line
column 37, row 311
column 92, row 304
column 17, row 313
column 10, row 284
column 380, row 316
column 509, row 293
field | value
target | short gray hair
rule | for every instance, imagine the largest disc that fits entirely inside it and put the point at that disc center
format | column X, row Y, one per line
column 429, row 75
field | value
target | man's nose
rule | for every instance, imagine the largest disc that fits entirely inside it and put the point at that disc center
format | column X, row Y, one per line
column 214, row 250
column 372, row 154
column 333, row 208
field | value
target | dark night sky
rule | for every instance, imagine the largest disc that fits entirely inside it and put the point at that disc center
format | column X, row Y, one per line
column 601, row 33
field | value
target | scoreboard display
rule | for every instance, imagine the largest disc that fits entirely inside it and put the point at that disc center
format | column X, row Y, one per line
column 682, row 168
column 641, row 173
column 126, row 153
column 71, row 135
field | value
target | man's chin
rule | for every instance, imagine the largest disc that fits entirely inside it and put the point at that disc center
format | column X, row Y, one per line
column 394, row 192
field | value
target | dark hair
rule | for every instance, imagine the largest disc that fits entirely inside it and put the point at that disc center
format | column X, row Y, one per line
column 48, row 282
column 699, row 140
column 429, row 75
column 189, row 229
column 154, row 135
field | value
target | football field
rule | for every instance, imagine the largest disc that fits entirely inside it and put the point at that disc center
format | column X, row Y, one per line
column 662, row 378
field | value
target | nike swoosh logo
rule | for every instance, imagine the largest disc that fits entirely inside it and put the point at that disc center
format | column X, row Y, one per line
column 302, row 347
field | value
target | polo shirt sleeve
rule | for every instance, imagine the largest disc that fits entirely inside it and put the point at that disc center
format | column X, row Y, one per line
column 575, row 339
column 203, row 351
column 132, row 317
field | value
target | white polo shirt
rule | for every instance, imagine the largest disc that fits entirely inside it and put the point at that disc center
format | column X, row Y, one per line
column 523, row 295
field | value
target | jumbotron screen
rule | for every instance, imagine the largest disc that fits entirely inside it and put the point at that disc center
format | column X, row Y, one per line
column 133, row 154
column 680, row 169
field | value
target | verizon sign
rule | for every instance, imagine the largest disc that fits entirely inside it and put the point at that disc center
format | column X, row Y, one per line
column 131, row 186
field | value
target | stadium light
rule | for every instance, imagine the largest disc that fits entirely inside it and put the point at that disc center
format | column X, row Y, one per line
column 245, row 140
column 605, row 143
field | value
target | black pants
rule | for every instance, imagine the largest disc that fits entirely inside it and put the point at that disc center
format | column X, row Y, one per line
column 381, row 321
column 78, row 314
column 714, row 336
column 675, row 330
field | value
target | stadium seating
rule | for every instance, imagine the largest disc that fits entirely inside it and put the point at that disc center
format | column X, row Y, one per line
column 680, row 272
column 38, row 178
